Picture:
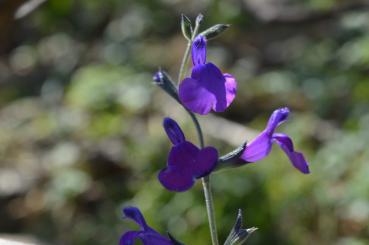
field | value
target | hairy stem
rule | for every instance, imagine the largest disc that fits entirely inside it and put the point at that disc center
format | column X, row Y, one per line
column 186, row 56
column 184, row 63
column 198, row 128
column 205, row 180
column 207, row 188
column 210, row 209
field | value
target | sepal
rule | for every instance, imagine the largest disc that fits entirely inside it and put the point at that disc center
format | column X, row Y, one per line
column 186, row 27
column 199, row 19
column 173, row 240
column 162, row 79
column 231, row 159
column 238, row 235
column 214, row 31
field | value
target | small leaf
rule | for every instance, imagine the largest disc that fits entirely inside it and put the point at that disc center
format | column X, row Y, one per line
column 214, row 31
column 186, row 27
column 162, row 79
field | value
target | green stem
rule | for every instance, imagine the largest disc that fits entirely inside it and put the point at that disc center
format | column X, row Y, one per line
column 206, row 187
column 184, row 63
column 198, row 128
column 205, row 180
column 210, row 209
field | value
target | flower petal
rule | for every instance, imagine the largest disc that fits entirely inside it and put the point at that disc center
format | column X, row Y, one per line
column 297, row 158
column 182, row 156
column 279, row 116
column 206, row 161
column 195, row 97
column 174, row 132
column 258, row 148
column 135, row 214
column 207, row 89
column 199, row 50
column 154, row 239
column 211, row 78
column 231, row 88
column 175, row 180
column 147, row 235
column 129, row 237
column 178, row 176
column 147, row 238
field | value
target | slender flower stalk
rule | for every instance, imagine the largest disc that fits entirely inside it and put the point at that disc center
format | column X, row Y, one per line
column 198, row 128
column 205, row 180
column 186, row 56
column 206, row 185
column 210, row 209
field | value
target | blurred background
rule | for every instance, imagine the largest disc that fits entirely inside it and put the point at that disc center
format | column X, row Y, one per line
column 80, row 120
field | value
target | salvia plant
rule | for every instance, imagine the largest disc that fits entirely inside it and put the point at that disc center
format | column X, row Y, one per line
column 206, row 89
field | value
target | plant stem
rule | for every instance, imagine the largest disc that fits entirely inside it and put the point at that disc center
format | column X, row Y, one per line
column 198, row 128
column 210, row 209
column 184, row 63
column 205, row 180
column 207, row 188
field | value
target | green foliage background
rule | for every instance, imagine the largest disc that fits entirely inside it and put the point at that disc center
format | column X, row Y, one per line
column 80, row 120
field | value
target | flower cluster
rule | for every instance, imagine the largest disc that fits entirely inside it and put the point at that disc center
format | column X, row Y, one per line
column 206, row 89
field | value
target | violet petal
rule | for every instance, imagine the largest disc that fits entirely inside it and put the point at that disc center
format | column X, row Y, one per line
column 146, row 234
column 154, row 239
column 207, row 89
column 212, row 79
column 277, row 118
column 199, row 51
column 174, row 180
column 174, row 132
column 186, row 163
column 135, row 214
column 182, row 156
column 231, row 88
column 297, row 158
column 258, row 148
column 129, row 237
column 196, row 97
column 206, row 161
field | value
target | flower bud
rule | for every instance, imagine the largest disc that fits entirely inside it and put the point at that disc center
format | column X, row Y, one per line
column 162, row 79
column 214, row 31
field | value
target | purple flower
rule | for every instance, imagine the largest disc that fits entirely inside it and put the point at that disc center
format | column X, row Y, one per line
column 186, row 162
column 146, row 234
column 207, row 88
column 260, row 147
